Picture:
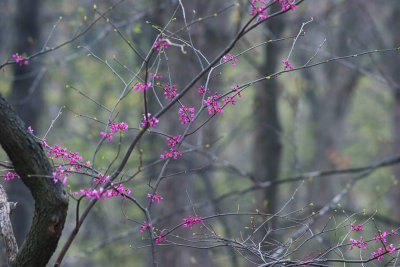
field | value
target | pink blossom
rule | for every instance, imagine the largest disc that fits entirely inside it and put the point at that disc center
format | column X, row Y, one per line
column 160, row 239
column 144, row 226
column 20, row 59
column 162, row 43
column 228, row 99
column 287, row 65
column 100, row 193
column 155, row 197
column 170, row 92
column 202, row 90
column 236, row 89
column 286, row 4
column 173, row 153
column 30, row 129
column 155, row 75
column 11, row 175
column 191, row 221
column 186, row 115
column 356, row 228
column 173, row 140
column 358, row 243
column 44, row 144
column 109, row 136
column 142, row 86
column 152, row 122
column 213, row 106
column 232, row 58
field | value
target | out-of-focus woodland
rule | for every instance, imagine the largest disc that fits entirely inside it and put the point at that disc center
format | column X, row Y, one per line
column 277, row 178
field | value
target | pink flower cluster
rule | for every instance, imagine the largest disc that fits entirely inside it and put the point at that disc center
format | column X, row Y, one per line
column 100, row 193
column 30, row 129
column 258, row 7
column 20, row 59
column 155, row 75
column 160, row 44
column 191, row 221
column 141, row 86
column 287, row 65
column 160, row 239
column 232, row 58
column 122, row 126
column 356, row 228
column 213, row 106
column 155, row 197
column 381, row 238
column 101, row 179
column 358, row 243
column 170, row 92
column 74, row 161
column 173, row 153
column 287, row 4
column 152, row 122
column 11, row 175
column 202, row 90
column 186, row 114
column 145, row 226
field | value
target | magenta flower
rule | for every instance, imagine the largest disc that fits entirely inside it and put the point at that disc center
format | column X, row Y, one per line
column 161, row 238
column 358, row 243
column 30, row 129
column 20, row 59
column 186, row 115
column 155, row 197
column 173, row 153
column 202, row 90
column 356, row 228
column 162, row 43
column 287, row 65
column 144, row 226
column 170, row 92
column 232, row 58
column 191, row 221
column 155, row 75
column 213, row 106
column 141, row 86
column 152, row 122
column 11, row 175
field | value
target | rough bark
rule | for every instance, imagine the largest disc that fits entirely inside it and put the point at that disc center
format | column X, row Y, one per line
column 51, row 200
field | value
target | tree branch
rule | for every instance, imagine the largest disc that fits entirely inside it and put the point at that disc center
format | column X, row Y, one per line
column 51, row 200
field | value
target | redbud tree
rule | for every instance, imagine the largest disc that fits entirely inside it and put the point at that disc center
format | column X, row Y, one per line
column 148, row 161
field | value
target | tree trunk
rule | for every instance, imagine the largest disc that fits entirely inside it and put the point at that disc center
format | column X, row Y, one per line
column 51, row 200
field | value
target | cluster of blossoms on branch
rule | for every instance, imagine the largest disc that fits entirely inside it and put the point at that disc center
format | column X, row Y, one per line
column 191, row 221
column 144, row 226
column 172, row 153
column 155, row 75
column 101, row 193
column 232, row 58
column 152, row 122
column 141, row 86
column 161, row 43
column 122, row 126
column 170, row 92
column 381, row 238
column 11, row 175
column 286, row 65
column 260, row 6
column 20, row 59
column 72, row 163
column 155, row 197
column 186, row 115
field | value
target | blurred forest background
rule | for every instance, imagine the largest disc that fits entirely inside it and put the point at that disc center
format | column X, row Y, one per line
column 336, row 116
